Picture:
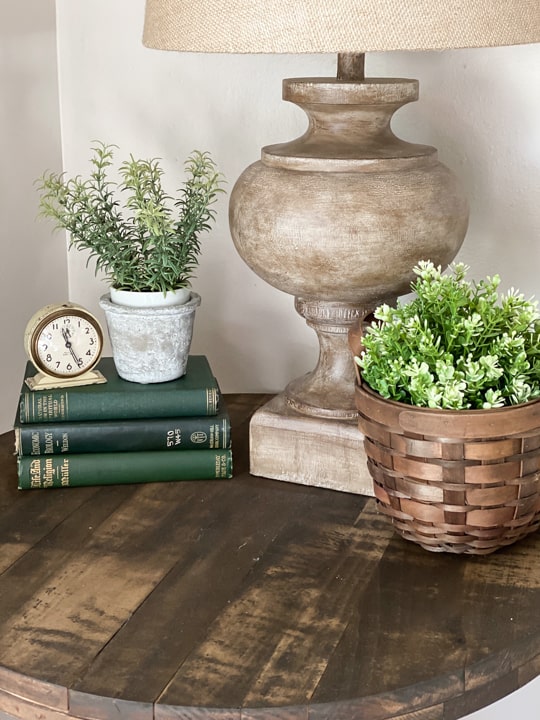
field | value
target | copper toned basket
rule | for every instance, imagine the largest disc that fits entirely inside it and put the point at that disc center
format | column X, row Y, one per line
column 460, row 481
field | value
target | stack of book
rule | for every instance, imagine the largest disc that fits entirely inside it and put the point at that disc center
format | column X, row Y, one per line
column 123, row 432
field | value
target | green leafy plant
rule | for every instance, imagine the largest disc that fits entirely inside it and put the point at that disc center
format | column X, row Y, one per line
column 139, row 236
column 458, row 344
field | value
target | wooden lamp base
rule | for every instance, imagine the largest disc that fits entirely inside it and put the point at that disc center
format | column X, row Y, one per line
column 287, row 445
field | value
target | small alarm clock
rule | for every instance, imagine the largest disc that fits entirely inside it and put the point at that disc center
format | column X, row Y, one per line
column 64, row 343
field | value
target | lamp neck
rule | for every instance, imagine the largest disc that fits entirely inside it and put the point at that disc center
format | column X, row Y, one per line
column 351, row 66
column 349, row 126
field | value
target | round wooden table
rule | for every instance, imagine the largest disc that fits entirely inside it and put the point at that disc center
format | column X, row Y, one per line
column 247, row 599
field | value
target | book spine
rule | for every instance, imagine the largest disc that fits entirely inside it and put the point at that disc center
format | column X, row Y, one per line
column 63, row 405
column 185, row 433
column 61, row 471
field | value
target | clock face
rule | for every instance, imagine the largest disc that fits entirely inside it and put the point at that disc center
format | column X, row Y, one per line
column 67, row 344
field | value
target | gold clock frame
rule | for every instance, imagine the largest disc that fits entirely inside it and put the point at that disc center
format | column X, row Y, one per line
column 44, row 379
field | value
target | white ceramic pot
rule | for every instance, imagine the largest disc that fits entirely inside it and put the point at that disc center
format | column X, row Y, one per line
column 150, row 344
column 130, row 298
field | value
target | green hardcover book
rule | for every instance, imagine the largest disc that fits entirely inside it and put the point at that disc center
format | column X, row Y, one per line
column 60, row 471
column 204, row 432
column 196, row 393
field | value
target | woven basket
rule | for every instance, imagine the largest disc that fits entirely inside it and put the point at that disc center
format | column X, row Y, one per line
column 459, row 481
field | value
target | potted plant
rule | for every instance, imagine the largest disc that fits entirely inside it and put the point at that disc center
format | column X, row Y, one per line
column 147, row 243
column 448, row 400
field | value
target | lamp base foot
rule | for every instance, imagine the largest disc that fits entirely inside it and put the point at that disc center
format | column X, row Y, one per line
column 286, row 445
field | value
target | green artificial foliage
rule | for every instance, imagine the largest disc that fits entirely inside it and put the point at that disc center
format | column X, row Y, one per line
column 139, row 236
column 458, row 344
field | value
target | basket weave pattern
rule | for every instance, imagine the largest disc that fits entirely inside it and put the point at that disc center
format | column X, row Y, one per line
column 456, row 481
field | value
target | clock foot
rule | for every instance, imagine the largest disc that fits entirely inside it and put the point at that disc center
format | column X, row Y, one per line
column 41, row 381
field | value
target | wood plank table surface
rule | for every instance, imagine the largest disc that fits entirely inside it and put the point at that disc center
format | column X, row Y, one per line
column 247, row 599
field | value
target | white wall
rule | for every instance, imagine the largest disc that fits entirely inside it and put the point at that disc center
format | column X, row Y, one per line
column 479, row 107
column 33, row 270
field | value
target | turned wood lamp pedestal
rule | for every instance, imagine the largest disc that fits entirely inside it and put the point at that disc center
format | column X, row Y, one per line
column 309, row 433
column 338, row 218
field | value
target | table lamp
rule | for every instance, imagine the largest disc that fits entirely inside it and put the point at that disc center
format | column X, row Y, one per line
column 339, row 216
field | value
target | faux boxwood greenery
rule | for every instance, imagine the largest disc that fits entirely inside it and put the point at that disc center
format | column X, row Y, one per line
column 458, row 344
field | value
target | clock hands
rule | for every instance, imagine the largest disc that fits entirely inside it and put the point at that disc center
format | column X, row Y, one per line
column 67, row 335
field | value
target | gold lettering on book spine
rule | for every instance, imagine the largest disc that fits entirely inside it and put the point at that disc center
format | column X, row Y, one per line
column 48, row 473
column 49, row 444
column 212, row 401
column 35, row 444
column 35, row 473
column 64, row 472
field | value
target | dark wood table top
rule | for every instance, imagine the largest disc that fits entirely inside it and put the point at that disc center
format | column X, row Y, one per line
column 247, row 599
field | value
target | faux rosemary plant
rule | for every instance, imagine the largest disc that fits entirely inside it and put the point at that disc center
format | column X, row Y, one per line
column 458, row 344
column 148, row 242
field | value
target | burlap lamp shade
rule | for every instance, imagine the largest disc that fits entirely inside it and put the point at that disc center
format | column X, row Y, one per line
column 339, row 216
column 317, row 26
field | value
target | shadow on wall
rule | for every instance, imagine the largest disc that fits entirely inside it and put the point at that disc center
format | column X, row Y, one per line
column 29, row 144
column 484, row 125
